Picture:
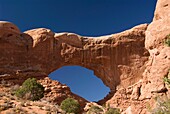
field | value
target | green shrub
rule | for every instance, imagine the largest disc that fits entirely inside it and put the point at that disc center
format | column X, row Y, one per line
column 162, row 106
column 94, row 109
column 167, row 80
column 167, row 40
column 31, row 90
column 70, row 105
column 113, row 111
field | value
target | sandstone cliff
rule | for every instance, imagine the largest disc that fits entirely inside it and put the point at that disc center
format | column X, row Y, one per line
column 137, row 96
column 131, row 63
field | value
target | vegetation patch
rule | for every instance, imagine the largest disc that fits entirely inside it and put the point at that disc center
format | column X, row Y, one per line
column 167, row 40
column 167, row 80
column 162, row 105
column 113, row 111
column 95, row 110
column 70, row 105
column 30, row 90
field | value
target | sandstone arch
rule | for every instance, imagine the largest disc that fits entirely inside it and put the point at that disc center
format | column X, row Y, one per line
column 117, row 59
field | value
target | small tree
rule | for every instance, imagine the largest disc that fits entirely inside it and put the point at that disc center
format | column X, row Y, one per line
column 31, row 90
column 70, row 105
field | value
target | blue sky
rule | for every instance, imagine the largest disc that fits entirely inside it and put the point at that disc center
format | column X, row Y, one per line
column 84, row 17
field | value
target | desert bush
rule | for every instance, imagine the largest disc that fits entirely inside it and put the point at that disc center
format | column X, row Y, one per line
column 70, row 105
column 167, row 40
column 167, row 80
column 113, row 111
column 94, row 110
column 31, row 90
column 162, row 106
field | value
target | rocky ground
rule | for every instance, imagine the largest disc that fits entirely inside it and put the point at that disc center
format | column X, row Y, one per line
column 55, row 93
column 10, row 104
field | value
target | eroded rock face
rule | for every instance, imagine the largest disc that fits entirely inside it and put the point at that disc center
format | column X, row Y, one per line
column 55, row 92
column 162, row 10
column 159, row 61
column 135, row 97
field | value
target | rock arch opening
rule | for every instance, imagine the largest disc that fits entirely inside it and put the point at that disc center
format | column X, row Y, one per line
column 82, row 82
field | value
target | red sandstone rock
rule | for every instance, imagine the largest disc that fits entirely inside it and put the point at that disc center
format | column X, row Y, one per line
column 55, row 92
column 162, row 10
column 159, row 60
column 157, row 66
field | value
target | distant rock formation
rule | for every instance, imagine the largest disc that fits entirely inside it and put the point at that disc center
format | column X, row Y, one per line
column 131, row 63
